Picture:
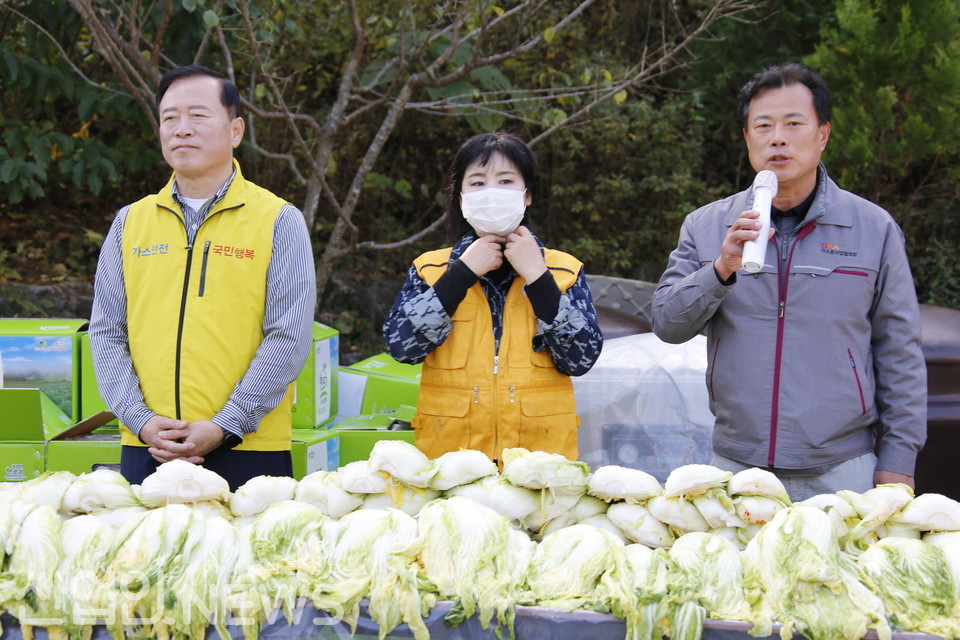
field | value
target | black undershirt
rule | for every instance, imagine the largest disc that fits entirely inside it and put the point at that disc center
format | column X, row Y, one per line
column 452, row 286
column 787, row 221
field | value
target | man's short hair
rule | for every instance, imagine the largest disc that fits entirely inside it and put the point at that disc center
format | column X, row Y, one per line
column 229, row 96
column 779, row 76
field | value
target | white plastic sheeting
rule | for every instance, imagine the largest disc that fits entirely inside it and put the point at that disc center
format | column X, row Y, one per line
column 644, row 405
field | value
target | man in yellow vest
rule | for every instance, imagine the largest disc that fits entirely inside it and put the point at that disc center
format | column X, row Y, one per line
column 203, row 301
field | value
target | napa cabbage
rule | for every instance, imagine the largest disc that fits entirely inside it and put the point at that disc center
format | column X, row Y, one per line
column 795, row 573
column 639, row 525
column 473, row 556
column 103, row 489
column 706, row 579
column 374, row 556
column 464, row 466
column 691, row 480
column 260, row 492
column 914, row 581
column 403, row 462
column 514, row 503
column 180, row 482
column 322, row 489
column 613, row 482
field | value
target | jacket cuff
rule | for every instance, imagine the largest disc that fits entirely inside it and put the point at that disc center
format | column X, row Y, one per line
column 451, row 288
column 729, row 281
column 230, row 439
column 897, row 460
column 544, row 296
column 135, row 419
column 233, row 419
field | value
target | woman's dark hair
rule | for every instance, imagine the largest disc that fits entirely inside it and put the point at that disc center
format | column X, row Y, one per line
column 777, row 77
column 229, row 96
column 479, row 148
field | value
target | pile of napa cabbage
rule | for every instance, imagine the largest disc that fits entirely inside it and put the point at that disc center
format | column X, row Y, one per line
column 180, row 553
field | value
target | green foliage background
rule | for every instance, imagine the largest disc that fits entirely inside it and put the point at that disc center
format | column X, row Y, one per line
column 616, row 187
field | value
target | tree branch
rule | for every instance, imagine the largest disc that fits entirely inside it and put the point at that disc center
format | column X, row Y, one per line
column 406, row 241
column 657, row 67
column 63, row 53
column 111, row 47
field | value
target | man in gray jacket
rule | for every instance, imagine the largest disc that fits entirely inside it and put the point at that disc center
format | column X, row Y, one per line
column 814, row 362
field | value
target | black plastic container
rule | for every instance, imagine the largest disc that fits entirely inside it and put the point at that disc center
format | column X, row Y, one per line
column 938, row 465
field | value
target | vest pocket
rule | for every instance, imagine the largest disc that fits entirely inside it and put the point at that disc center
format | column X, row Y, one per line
column 452, row 354
column 442, row 422
column 541, row 358
column 549, row 420
column 203, row 268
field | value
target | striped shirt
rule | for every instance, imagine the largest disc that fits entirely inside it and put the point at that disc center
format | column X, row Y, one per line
column 287, row 324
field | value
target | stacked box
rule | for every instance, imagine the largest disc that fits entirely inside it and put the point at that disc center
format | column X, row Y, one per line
column 314, row 450
column 315, row 391
column 87, row 446
column 43, row 354
column 358, row 434
column 90, row 401
column 378, row 384
column 38, row 436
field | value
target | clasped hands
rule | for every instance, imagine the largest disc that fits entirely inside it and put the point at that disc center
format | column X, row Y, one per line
column 171, row 439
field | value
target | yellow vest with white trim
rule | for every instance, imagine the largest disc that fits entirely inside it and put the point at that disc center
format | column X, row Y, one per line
column 472, row 397
column 195, row 316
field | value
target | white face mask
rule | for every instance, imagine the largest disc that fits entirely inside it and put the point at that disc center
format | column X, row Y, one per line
column 492, row 210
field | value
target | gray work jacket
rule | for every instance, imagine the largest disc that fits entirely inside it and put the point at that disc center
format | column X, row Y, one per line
column 804, row 374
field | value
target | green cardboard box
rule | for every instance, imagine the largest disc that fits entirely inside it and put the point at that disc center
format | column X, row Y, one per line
column 90, row 401
column 378, row 384
column 43, row 354
column 86, row 447
column 383, row 364
column 359, row 433
column 315, row 391
column 32, row 425
column 314, row 450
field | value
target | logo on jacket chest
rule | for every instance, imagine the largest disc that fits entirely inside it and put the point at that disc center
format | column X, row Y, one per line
column 828, row 248
column 235, row 252
column 150, row 250
column 240, row 253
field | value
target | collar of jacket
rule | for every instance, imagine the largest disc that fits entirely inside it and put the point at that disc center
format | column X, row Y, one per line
column 823, row 209
column 231, row 195
column 468, row 238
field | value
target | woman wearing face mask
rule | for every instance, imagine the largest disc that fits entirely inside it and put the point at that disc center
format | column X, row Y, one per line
column 499, row 321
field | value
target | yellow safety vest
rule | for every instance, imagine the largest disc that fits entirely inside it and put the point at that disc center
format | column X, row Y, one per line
column 195, row 314
column 472, row 397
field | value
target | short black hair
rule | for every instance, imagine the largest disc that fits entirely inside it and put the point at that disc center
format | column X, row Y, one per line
column 229, row 95
column 479, row 148
column 779, row 76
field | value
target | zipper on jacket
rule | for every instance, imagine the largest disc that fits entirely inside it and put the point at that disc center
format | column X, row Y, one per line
column 496, row 364
column 183, row 311
column 476, row 395
column 203, row 267
column 512, row 390
column 183, row 298
column 782, row 284
column 856, row 375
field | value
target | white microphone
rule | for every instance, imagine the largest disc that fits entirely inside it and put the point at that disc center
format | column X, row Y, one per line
column 754, row 251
